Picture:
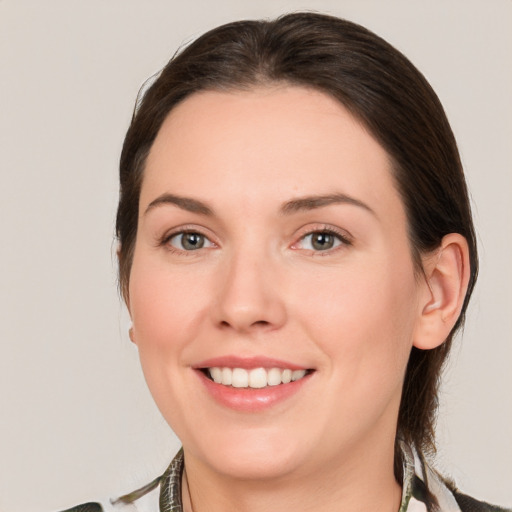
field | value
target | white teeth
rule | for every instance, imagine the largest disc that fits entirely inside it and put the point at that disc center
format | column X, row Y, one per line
column 274, row 377
column 286, row 377
column 298, row 374
column 227, row 376
column 216, row 374
column 240, row 378
column 256, row 378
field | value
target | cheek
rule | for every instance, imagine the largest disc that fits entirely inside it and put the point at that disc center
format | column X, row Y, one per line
column 166, row 308
column 363, row 316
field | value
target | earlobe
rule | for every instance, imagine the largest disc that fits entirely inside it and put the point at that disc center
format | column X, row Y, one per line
column 447, row 273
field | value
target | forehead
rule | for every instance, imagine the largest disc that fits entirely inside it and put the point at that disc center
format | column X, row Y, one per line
column 266, row 144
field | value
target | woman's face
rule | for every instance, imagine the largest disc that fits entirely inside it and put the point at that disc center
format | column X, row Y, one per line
column 272, row 244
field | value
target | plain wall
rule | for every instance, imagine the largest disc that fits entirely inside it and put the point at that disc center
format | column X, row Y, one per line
column 76, row 420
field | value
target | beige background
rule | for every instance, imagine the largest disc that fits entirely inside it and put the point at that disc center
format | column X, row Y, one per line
column 76, row 421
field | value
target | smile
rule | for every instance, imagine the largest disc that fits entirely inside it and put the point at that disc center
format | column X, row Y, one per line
column 256, row 378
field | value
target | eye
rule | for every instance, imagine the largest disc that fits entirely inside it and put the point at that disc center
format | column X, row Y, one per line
column 321, row 241
column 189, row 241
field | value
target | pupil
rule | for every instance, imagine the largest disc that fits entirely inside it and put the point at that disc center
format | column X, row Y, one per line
column 322, row 241
column 191, row 241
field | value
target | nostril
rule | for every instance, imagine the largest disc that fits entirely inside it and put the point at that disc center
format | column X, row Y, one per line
column 261, row 322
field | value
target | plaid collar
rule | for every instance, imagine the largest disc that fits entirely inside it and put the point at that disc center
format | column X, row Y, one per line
column 423, row 489
column 170, row 486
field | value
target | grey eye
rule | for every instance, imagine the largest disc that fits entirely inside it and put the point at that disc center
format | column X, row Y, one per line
column 189, row 241
column 320, row 241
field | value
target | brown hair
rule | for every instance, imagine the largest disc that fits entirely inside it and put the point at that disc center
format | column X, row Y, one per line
column 380, row 87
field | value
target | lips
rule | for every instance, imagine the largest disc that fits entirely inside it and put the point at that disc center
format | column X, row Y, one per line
column 251, row 384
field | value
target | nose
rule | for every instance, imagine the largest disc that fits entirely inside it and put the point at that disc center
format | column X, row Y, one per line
column 249, row 297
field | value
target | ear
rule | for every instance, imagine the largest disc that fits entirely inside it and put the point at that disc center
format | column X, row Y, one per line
column 446, row 272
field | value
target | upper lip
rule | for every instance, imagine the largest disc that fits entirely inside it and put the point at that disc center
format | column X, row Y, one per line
column 248, row 363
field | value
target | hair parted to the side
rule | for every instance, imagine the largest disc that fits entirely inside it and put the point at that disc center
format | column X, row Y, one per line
column 382, row 89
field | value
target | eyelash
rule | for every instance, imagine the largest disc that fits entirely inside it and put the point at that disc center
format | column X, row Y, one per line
column 341, row 237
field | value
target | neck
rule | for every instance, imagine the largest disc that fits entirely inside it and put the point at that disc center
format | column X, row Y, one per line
column 363, row 481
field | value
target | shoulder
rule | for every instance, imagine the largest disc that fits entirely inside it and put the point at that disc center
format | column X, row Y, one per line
column 425, row 489
column 163, row 492
column 465, row 502
column 145, row 499
column 86, row 507
column 469, row 504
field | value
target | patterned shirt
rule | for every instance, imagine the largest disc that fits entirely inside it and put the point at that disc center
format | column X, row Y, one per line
column 423, row 490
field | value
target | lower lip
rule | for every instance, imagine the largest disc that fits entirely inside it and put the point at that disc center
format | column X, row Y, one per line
column 250, row 399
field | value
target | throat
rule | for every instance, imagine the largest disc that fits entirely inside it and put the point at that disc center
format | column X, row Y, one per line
column 306, row 495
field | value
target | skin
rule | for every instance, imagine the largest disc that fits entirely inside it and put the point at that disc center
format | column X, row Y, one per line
column 259, row 288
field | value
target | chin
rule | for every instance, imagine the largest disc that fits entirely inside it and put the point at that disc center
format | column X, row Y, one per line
column 257, row 457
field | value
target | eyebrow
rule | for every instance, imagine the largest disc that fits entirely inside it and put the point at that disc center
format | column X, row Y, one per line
column 293, row 206
column 185, row 203
column 313, row 202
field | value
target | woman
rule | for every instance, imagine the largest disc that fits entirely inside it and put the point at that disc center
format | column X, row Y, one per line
column 296, row 253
